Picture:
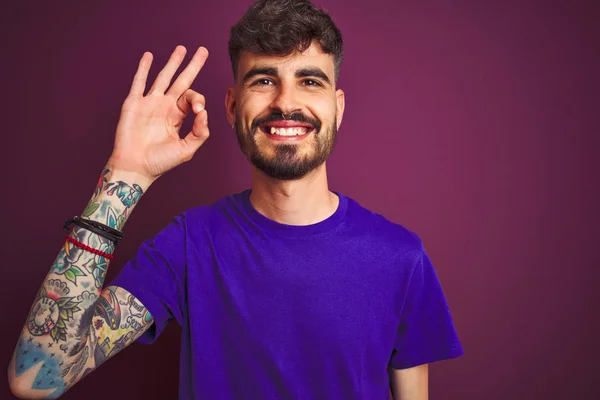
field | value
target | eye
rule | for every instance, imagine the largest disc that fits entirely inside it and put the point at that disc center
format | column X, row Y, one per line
column 311, row 82
column 262, row 82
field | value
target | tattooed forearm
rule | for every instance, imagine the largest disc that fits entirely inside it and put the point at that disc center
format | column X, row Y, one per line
column 52, row 310
column 55, row 347
column 111, row 205
column 108, row 325
column 119, row 319
column 41, row 353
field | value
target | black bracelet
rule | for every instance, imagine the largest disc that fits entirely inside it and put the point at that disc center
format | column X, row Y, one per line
column 96, row 227
column 100, row 229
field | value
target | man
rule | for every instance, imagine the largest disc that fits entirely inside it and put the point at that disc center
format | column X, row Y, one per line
column 284, row 291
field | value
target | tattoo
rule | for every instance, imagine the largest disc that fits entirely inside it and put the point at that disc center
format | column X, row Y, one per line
column 43, row 317
column 86, row 325
column 139, row 316
column 85, row 321
column 48, row 376
column 136, row 309
column 69, row 256
column 97, row 265
column 129, row 195
column 101, row 181
column 75, row 368
column 121, row 342
column 108, row 308
column 90, row 209
column 51, row 310
column 72, row 261
column 106, row 325
column 114, row 327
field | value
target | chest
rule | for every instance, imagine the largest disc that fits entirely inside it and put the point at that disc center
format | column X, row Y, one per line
column 333, row 291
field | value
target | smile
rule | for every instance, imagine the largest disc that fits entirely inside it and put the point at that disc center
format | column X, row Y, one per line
column 287, row 128
column 288, row 131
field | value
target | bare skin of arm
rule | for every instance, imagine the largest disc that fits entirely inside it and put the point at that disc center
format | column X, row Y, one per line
column 75, row 324
column 410, row 383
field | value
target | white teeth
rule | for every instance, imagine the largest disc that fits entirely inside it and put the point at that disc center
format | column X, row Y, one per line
column 288, row 131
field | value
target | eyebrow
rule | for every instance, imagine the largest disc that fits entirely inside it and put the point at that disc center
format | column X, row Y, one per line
column 272, row 71
column 316, row 72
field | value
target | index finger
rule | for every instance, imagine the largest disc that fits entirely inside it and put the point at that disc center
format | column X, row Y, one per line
column 187, row 76
column 139, row 80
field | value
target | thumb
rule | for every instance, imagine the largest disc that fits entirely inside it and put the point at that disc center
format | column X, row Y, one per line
column 198, row 135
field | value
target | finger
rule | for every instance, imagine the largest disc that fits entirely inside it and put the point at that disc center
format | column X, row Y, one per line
column 139, row 80
column 197, row 135
column 187, row 76
column 190, row 99
column 163, row 79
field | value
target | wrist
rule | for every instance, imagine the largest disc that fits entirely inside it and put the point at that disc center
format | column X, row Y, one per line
column 112, row 173
column 116, row 195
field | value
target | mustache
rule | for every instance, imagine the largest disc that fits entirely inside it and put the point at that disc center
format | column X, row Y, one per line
column 297, row 116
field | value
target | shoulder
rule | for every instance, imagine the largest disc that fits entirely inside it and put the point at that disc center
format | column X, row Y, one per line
column 211, row 216
column 383, row 230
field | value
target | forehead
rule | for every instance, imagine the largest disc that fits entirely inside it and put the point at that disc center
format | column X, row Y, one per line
column 311, row 57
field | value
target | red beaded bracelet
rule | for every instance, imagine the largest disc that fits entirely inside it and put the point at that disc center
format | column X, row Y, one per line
column 88, row 248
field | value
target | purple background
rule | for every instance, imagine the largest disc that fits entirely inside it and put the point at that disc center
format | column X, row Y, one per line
column 473, row 123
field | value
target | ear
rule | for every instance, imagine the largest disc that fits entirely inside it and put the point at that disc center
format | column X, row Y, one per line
column 340, row 105
column 230, row 105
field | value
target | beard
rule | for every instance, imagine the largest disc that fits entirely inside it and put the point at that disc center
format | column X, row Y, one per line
column 290, row 161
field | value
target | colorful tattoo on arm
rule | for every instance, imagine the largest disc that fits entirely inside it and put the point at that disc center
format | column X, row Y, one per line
column 118, row 320
column 52, row 310
column 71, row 329
column 102, row 180
column 41, row 365
column 109, row 323
column 129, row 195
column 41, row 353
column 74, row 262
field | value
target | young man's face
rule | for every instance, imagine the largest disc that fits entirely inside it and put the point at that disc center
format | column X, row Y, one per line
column 286, row 111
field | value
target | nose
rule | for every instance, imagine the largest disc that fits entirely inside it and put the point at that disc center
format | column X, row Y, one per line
column 286, row 100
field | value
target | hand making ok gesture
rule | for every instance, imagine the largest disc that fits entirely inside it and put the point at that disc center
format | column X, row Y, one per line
column 147, row 139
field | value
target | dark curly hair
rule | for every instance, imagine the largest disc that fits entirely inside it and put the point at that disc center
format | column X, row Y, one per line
column 280, row 27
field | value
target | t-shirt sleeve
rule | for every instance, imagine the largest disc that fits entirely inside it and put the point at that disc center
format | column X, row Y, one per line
column 155, row 275
column 426, row 332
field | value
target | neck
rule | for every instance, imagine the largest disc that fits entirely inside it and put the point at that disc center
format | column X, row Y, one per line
column 305, row 201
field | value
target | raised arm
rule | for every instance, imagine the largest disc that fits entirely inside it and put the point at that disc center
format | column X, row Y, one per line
column 74, row 324
column 58, row 338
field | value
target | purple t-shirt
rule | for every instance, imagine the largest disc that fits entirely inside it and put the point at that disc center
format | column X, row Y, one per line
column 274, row 311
